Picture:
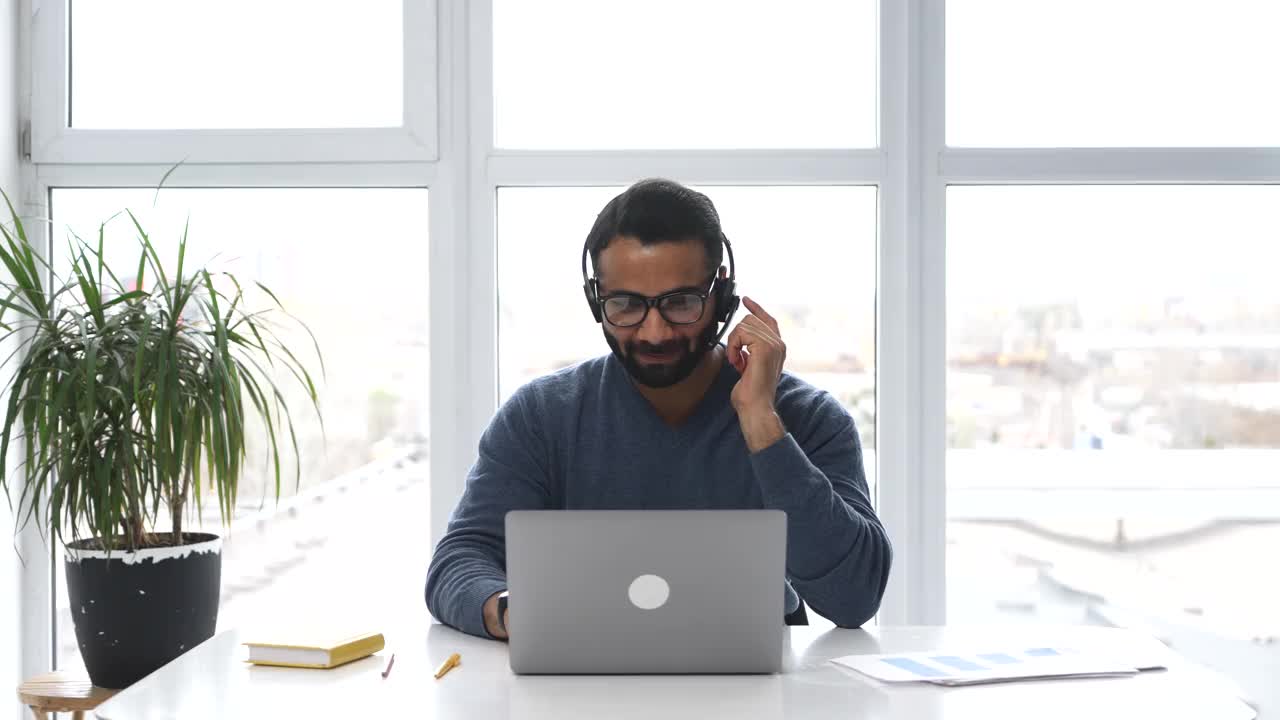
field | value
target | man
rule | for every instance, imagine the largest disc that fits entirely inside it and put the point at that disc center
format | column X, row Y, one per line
column 670, row 420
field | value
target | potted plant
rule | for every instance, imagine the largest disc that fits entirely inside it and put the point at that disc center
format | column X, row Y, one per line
column 130, row 403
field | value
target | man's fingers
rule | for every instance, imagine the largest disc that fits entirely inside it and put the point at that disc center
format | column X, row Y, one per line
column 759, row 312
column 759, row 327
column 747, row 339
column 734, row 341
column 755, row 329
column 733, row 347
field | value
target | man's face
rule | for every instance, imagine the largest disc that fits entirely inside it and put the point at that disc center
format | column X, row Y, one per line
column 657, row 353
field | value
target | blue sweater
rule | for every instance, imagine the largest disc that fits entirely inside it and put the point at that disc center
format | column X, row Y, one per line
column 585, row 438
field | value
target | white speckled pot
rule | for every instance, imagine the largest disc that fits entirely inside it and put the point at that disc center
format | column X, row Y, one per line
column 136, row 611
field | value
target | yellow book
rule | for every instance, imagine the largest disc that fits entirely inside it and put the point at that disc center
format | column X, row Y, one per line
column 316, row 651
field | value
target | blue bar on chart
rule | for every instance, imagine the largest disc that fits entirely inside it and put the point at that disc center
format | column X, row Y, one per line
column 957, row 662
column 912, row 666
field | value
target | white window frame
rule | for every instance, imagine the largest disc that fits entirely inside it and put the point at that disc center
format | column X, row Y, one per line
column 452, row 155
column 54, row 141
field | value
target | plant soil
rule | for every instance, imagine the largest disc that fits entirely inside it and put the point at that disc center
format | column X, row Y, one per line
column 149, row 540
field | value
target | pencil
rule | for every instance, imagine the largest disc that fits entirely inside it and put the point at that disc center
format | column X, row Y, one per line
column 453, row 662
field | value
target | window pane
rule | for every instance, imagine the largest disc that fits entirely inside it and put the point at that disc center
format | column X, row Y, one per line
column 156, row 64
column 578, row 74
column 1113, row 402
column 1103, row 73
column 806, row 253
column 356, row 273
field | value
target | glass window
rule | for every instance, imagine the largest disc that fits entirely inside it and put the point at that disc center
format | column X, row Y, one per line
column 234, row 64
column 1102, row 73
column 806, row 253
column 352, row 264
column 1113, row 412
column 713, row 74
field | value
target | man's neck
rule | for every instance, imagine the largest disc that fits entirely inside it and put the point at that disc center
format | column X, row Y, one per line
column 676, row 403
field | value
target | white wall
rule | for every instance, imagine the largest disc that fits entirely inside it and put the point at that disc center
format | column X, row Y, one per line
column 10, row 601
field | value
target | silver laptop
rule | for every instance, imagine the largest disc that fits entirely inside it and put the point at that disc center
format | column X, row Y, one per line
column 646, row 591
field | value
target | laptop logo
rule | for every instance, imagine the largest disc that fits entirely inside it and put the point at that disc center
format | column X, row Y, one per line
column 649, row 592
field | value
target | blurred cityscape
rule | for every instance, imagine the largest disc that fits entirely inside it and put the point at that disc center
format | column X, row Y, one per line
column 1173, row 374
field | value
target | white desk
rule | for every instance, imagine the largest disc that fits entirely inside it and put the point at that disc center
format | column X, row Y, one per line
column 212, row 681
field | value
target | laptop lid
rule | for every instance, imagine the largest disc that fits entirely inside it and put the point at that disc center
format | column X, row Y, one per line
column 646, row 591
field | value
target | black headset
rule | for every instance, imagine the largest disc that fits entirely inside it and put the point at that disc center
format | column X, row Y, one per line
column 724, row 290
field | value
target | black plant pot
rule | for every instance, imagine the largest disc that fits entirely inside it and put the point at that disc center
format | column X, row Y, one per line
column 136, row 611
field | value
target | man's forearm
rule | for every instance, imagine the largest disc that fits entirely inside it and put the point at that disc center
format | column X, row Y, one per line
column 838, row 555
column 761, row 428
column 463, row 575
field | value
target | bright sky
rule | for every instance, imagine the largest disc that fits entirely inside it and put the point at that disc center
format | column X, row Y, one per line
column 679, row 74
column 236, row 64
column 1109, row 73
column 1055, row 243
column 709, row 74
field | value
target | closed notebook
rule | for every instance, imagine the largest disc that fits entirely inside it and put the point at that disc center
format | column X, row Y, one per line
column 314, row 651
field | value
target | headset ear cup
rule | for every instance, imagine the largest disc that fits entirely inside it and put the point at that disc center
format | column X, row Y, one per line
column 733, row 307
column 726, row 300
column 588, row 289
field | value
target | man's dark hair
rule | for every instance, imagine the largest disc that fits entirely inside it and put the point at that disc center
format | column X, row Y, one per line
column 658, row 210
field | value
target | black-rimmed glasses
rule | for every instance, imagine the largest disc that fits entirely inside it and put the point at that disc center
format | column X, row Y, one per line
column 682, row 307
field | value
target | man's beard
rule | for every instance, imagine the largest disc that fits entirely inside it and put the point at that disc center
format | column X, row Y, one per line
column 661, row 375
